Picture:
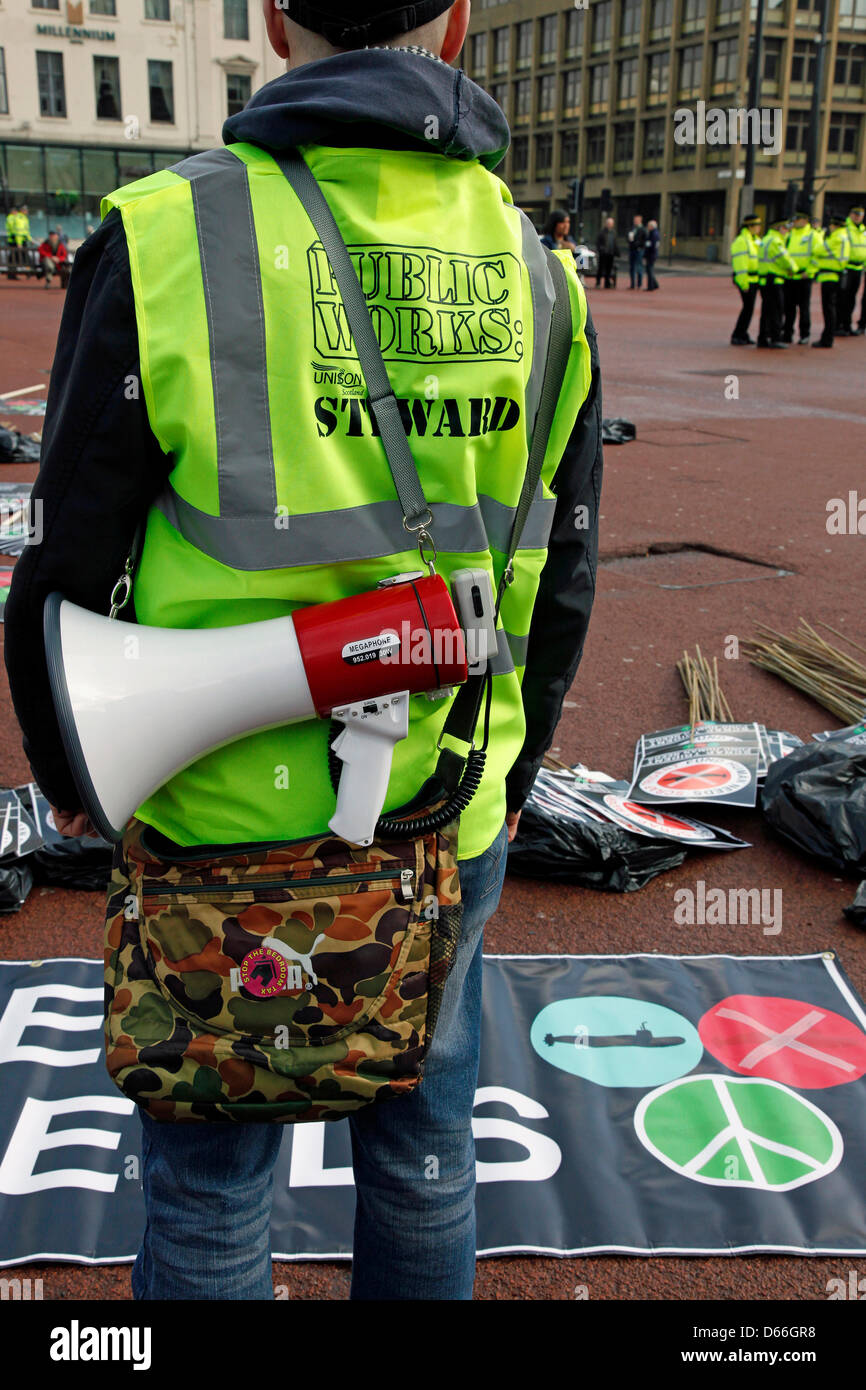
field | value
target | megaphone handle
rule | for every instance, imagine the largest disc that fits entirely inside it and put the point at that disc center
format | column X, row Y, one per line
column 365, row 748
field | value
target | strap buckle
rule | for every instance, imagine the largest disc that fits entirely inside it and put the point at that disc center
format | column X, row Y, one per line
column 121, row 593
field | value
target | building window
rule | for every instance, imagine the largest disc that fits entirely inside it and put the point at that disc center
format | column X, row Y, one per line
column 161, row 84
column 103, row 7
column 599, row 85
column 4, row 94
column 46, row 4
column 772, row 64
column 691, row 69
column 843, row 139
column 658, row 77
column 156, row 9
column 548, row 34
column 601, row 24
column 852, row 13
column 547, row 97
column 623, row 148
column 543, row 156
column 629, row 27
column 848, row 72
column 694, row 15
column 806, row 11
column 499, row 93
column 574, row 33
column 661, row 17
column 725, row 62
column 479, row 55
column 628, row 79
column 569, row 152
column 522, row 99
column 571, row 92
column 52, row 91
column 803, row 63
column 796, row 136
column 519, row 156
column 236, row 20
column 524, row 44
column 727, row 12
column 653, row 144
column 595, row 150
column 501, row 49
column 106, row 78
column 238, row 91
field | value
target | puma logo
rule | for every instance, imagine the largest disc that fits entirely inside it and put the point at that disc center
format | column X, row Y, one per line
column 290, row 954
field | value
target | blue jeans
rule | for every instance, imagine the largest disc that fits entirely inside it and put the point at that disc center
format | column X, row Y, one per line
column 208, row 1188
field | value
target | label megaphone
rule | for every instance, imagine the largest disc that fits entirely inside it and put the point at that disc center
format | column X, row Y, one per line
column 356, row 659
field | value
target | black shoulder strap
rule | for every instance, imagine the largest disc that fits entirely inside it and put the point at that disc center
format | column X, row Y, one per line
column 463, row 715
column 416, row 514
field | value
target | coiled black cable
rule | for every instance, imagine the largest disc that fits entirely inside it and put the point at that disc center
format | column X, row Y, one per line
column 396, row 827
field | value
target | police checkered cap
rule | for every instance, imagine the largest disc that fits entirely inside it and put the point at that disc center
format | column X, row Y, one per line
column 356, row 23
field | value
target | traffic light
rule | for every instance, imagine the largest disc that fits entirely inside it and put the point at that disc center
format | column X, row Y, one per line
column 576, row 190
column 606, row 200
column 675, row 205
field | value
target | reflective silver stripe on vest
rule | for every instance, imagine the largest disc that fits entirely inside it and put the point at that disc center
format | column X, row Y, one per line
column 543, row 300
column 353, row 533
column 247, row 534
column 511, row 652
column 232, row 281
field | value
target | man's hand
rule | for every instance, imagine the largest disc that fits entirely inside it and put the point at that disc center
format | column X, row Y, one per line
column 511, row 821
column 73, row 823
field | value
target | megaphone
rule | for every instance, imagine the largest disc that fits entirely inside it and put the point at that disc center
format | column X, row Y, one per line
column 137, row 704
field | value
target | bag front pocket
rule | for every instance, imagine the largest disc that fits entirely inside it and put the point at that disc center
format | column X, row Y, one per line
column 246, row 950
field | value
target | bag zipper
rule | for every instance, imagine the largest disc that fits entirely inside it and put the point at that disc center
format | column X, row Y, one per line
column 406, row 877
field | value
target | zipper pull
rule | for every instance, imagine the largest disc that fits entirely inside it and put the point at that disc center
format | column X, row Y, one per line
column 407, row 884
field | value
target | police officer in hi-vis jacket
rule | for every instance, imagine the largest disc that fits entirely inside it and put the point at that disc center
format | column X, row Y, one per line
column 744, row 269
column 188, row 390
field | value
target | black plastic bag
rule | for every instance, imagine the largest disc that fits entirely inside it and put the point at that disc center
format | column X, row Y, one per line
column 594, row 855
column 856, row 911
column 617, row 431
column 74, row 862
column 18, row 448
column 16, row 880
column 816, row 798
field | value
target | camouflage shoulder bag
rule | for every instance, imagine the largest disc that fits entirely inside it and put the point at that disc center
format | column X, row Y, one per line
column 302, row 980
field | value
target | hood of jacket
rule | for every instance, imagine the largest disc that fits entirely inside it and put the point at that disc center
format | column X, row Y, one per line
column 378, row 98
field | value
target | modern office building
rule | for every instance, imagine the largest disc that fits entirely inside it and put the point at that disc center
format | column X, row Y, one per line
column 96, row 93
column 592, row 89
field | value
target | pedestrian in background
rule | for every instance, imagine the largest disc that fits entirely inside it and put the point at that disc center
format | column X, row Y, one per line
column 650, row 254
column 774, row 267
column 54, row 260
column 744, row 268
column 847, row 293
column 832, row 260
column 557, row 232
column 636, row 244
column 801, row 244
column 607, row 253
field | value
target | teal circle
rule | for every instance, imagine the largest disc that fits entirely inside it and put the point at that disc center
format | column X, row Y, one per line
column 602, row 1016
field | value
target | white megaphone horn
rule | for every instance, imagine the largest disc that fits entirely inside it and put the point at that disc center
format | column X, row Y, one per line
column 137, row 704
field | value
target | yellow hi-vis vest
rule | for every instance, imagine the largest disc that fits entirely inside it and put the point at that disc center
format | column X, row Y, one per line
column 280, row 494
column 832, row 255
column 802, row 246
column 744, row 259
column 857, row 239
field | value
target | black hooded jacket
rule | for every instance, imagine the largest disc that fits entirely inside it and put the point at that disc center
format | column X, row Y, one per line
column 102, row 466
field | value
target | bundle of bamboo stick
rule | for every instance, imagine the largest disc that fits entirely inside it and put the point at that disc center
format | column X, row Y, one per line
column 705, row 695
column 833, row 678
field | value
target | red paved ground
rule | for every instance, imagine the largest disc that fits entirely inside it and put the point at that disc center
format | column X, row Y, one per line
column 749, row 477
